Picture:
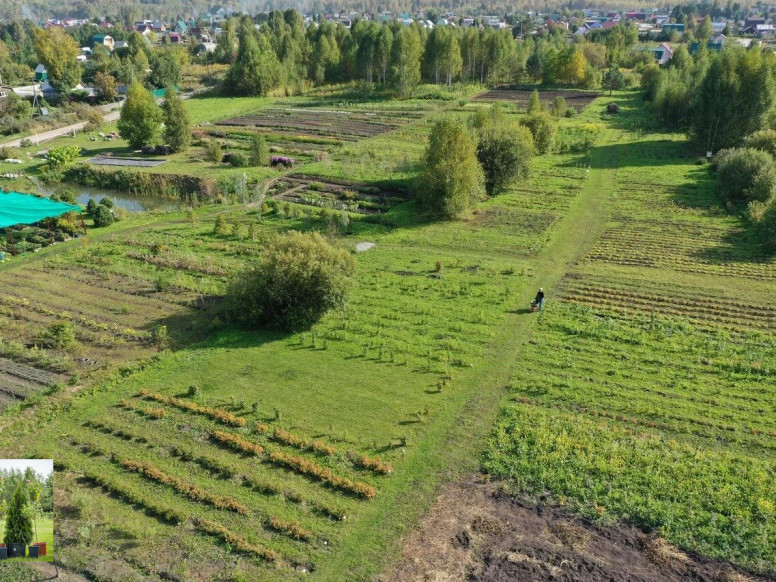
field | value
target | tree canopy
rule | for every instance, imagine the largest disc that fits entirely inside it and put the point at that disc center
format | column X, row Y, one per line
column 139, row 122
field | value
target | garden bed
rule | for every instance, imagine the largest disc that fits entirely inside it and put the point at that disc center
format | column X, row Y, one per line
column 132, row 162
column 577, row 99
column 353, row 197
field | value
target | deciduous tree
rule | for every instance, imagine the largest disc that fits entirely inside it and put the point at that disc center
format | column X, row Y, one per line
column 177, row 126
column 139, row 122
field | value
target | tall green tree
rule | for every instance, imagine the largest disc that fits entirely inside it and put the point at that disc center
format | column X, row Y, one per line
column 451, row 179
column 58, row 51
column 140, row 118
column 177, row 126
column 256, row 69
column 735, row 76
column 18, row 525
column 165, row 71
column 383, row 51
column 405, row 61
column 225, row 45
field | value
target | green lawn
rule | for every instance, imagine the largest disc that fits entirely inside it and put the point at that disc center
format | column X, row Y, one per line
column 45, row 531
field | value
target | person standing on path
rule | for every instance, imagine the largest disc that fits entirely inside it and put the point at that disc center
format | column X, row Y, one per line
column 540, row 298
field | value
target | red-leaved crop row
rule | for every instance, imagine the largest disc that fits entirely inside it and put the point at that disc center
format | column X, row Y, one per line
column 237, row 443
column 234, row 540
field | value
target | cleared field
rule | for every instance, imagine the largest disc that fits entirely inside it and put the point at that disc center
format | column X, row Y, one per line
column 577, row 99
column 346, row 125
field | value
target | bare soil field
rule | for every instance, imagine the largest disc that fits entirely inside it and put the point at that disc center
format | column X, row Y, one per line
column 476, row 532
column 347, row 125
column 577, row 99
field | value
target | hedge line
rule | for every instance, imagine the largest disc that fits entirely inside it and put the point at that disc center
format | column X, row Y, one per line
column 175, row 186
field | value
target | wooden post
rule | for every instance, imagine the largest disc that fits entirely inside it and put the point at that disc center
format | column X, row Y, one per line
column 83, row 224
column 51, row 230
column 10, row 240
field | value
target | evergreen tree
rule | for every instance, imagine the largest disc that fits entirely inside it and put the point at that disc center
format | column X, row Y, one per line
column 18, row 526
column 177, row 127
column 452, row 179
column 140, row 117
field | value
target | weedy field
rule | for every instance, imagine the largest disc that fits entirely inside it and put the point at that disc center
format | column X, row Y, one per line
column 267, row 456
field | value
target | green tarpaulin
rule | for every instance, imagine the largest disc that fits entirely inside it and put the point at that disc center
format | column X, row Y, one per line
column 18, row 208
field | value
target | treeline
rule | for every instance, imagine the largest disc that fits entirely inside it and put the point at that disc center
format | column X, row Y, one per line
column 283, row 51
column 727, row 103
column 11, row 478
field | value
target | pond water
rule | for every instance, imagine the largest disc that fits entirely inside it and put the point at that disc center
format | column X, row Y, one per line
column 129, row 202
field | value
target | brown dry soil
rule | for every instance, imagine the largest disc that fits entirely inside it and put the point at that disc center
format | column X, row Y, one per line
column 475, row 532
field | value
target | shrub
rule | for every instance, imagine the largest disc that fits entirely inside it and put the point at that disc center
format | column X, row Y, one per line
column 238, row 159
column 764, row 140
column 558, row 107
column 220, row 227
column 542, row 128
column 18, row 524
column 213, row 151
column 259, row 151
column 106, row 202
column 63, row 155
column 302, row 443
column 103, row 216
column 59, row 335
column 746, row 175
column 300, row 277
column 505, row 155
column 764, row 218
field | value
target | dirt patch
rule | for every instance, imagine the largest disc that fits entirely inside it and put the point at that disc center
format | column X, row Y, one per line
column 475, row 532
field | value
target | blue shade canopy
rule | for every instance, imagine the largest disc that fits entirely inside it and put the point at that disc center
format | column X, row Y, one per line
column 18, row 208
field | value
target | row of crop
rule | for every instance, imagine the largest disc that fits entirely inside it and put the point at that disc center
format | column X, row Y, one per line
column 94, row 325
column 194, row 492
column 235, row 541
column 268, row 488
column 310, row 469
column 237, row 443
column 156, row 413
column 297, row 464
column 213, row 413
column 304, row 444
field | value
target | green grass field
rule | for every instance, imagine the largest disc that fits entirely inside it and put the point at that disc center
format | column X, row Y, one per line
column 45, row 530
column 648, row 368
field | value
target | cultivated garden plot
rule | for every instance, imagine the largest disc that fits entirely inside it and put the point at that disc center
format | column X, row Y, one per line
column 124, row 162
column 345, row 125
column 650, row 393
column 577, row 99
column 282, row 469
column 337, row 195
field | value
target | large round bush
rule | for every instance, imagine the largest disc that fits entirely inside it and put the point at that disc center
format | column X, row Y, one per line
column 299, row 278
column 746, row 175
column 764, row 140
